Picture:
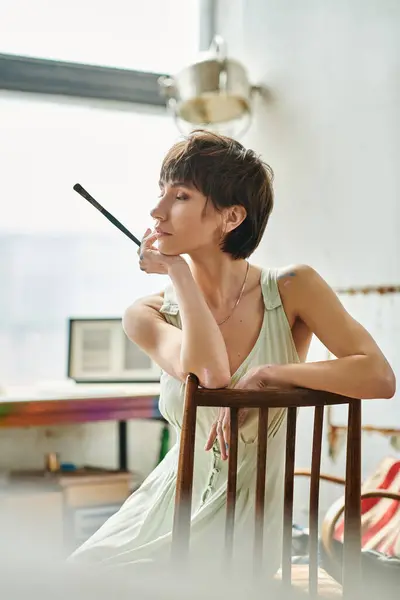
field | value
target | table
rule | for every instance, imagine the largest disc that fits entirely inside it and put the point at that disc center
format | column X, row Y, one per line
column 82, row 403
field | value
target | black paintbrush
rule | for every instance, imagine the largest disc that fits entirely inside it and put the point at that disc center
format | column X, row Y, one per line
column 78, row 188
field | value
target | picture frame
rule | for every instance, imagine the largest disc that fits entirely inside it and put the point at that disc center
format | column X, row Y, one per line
column 100, row 352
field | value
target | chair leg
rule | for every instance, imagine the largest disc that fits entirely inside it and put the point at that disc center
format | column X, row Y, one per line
column 352, row 519
column 184, row 485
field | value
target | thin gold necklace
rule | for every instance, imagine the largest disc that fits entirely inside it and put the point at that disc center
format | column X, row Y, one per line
column 239, row 297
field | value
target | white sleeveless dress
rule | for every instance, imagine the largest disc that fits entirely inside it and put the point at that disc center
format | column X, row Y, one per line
column 141, row 530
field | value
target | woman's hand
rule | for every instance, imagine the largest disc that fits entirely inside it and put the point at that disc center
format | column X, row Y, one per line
column 256, row 378
column 220, row 430
column 151, row 260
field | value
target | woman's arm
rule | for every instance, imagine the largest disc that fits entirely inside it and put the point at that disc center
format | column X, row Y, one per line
column 194, row 349
column 203, row 351
column 145, row 326
column 199, row 347
column 360, row 370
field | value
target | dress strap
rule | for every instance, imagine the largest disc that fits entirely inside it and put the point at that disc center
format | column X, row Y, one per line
column 170, row 304
column 270, row 290
column 170, row 308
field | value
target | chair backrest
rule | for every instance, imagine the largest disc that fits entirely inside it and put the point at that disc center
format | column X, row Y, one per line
column 263, row 400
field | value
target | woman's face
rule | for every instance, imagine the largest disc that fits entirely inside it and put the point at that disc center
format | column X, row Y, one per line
column 185, row 219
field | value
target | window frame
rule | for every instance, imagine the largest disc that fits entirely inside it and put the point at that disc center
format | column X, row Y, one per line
column 43, row 76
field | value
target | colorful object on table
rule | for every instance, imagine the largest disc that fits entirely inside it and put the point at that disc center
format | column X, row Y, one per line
column 77, row 410
column 52, row 462
column 68, row 467
column 5, row 409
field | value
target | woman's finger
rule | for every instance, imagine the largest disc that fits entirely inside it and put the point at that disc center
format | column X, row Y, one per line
column 226, row 428
column 140, row 249
column 146, row 233
column 148, row 240
column 211, row 438
column 221, row 440
column 147, row 243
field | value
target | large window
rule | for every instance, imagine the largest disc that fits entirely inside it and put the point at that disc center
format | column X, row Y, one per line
column 48, row 144
column 151, row 35
column 59, row 256
column 61, row 123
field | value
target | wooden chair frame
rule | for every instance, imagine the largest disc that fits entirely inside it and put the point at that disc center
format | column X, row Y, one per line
column 291, row 399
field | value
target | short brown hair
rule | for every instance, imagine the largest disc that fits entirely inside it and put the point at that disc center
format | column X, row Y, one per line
column 227, row 174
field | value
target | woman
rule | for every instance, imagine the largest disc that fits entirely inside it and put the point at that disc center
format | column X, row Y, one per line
column 232, row 324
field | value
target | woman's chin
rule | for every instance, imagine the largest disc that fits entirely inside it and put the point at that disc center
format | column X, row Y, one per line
column 166, row 246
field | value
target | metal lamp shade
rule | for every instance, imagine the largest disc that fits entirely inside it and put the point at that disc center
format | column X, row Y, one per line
column 213, row 91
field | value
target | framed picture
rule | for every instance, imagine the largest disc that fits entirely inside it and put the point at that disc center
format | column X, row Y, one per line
column 100, row 352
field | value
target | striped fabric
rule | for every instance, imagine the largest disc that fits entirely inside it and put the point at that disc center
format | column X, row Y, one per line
column 380, row 517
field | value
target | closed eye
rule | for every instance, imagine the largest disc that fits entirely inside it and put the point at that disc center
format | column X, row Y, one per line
column 178, row 197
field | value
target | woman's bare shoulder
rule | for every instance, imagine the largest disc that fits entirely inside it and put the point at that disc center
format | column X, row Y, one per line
column 290, row 274
column 289, row 279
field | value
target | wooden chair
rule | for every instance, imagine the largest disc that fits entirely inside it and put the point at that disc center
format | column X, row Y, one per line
column 291, row 399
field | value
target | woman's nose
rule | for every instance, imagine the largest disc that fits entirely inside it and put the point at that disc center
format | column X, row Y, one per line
column 158, row 212
column 154, row 213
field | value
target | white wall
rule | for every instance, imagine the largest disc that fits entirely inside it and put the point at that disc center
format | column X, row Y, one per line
column 329, row 126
